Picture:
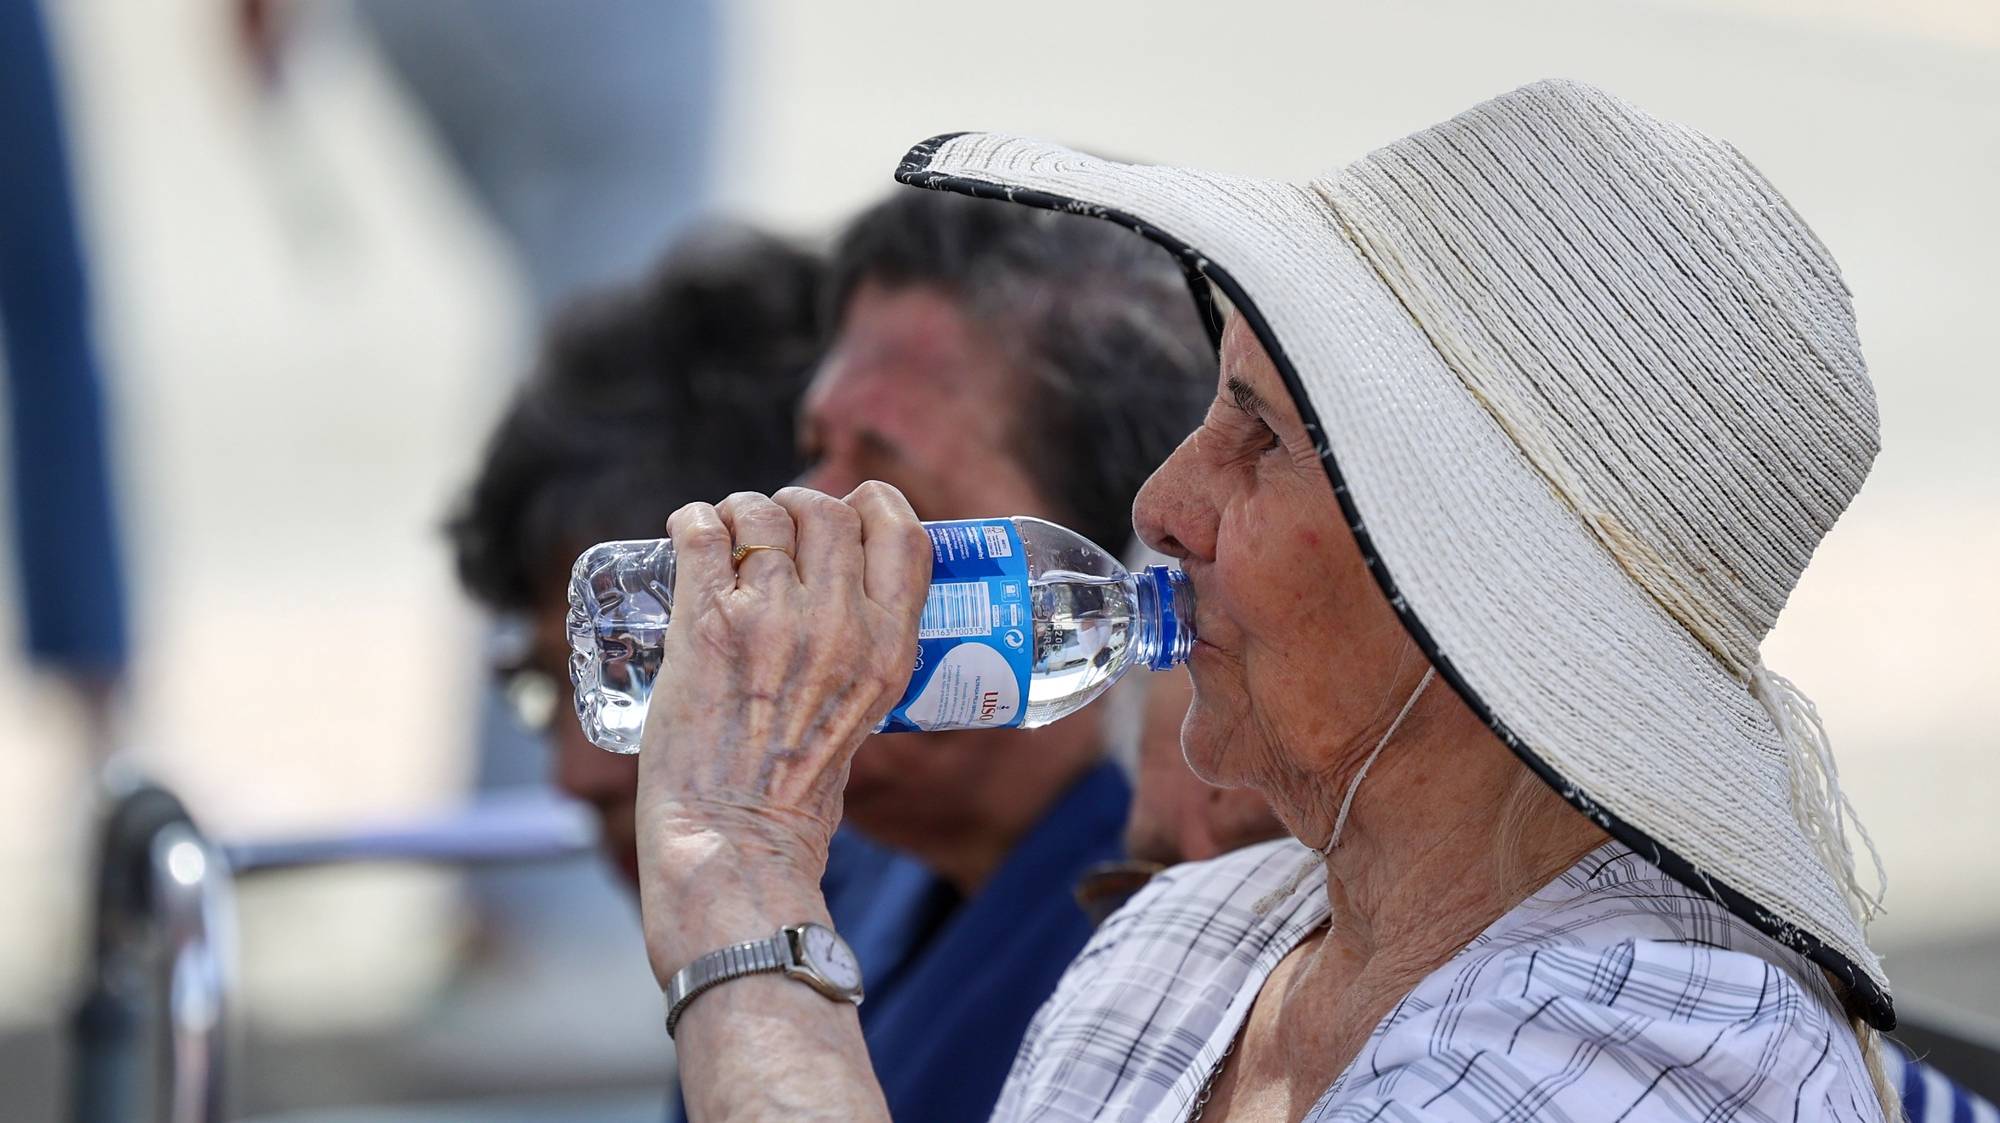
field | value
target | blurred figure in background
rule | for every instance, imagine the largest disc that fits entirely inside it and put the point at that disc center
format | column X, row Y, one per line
column 65, row 529
column 991, row 360
column 645, row 396
column 584, row 130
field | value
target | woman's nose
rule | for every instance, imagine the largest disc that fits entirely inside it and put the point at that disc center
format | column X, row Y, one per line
column 1171, row 514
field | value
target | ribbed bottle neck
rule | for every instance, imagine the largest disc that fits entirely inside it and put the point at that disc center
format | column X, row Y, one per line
column 1165, row 603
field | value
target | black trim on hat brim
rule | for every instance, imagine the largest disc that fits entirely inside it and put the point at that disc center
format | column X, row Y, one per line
column 1869, row 999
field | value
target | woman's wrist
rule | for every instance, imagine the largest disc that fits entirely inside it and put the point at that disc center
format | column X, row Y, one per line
column 709, row 890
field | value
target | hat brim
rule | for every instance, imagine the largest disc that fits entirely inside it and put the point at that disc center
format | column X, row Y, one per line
column 1516, row 603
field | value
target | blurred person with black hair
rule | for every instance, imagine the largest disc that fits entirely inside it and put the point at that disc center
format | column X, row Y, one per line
column 677, row 386
column 645, row 395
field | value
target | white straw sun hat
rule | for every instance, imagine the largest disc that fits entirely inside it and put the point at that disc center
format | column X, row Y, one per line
column 1590, row 394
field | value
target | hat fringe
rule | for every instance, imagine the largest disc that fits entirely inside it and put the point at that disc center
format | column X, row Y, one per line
column 1823, row 809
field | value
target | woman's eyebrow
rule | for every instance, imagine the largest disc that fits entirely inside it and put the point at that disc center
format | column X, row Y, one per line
column 1246, row 398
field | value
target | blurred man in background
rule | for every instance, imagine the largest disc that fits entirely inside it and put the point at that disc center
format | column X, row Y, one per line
column 988, row 361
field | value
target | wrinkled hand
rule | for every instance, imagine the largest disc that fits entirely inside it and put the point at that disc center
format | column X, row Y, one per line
column 773, row 672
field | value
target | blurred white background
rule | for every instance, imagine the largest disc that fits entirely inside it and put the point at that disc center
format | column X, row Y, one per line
column 308, row 328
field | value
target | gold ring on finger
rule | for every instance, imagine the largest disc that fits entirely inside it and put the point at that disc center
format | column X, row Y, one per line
column 737, row 555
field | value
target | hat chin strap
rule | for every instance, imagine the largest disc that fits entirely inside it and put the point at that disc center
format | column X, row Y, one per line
column 1354, row 785
column 1822, row 808
column 1317, row 860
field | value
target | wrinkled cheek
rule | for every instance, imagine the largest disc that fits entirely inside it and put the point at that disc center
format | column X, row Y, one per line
column 1282, row 709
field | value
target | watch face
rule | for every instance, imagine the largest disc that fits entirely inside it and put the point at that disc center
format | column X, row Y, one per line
column 829, row 955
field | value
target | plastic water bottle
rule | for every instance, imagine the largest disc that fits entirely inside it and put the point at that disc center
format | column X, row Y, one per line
column 1025, row 622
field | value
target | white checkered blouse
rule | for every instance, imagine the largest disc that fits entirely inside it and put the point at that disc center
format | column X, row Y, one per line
column 1612, row 994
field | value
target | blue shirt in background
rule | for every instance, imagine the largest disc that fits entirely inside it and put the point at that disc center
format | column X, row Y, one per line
column 945, row 1034
column 886, row 905
column 951, row 982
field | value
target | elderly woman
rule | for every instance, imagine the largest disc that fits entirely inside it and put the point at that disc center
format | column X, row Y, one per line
column 1526, row 426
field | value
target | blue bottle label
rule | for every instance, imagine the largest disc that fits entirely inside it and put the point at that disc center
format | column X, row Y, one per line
column 975, row 644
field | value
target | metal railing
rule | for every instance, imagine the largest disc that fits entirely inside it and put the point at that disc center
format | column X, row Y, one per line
column 156, row 1009
column 160, row 989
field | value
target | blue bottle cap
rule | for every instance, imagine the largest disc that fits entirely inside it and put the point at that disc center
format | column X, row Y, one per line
column 1164, row 653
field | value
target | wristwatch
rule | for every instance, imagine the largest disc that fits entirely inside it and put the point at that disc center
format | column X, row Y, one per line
column 811, row 953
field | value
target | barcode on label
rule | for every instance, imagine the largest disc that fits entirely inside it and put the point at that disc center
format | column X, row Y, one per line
column 955, row 611
column 997, row 545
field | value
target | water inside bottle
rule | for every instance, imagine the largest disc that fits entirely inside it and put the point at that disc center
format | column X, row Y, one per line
column 1092, row 620
column 625, row 671
column 1083, row 629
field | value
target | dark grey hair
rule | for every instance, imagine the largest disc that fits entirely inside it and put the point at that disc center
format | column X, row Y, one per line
column 1115, row 366
column 646, row 396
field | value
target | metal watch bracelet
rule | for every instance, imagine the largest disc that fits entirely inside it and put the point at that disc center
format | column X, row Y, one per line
column 735, row 961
